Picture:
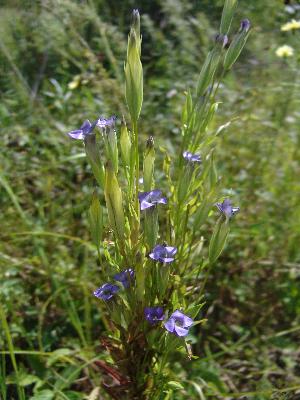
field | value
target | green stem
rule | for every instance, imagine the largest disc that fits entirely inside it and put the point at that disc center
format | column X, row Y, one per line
column 20, row 390
column 137, row 169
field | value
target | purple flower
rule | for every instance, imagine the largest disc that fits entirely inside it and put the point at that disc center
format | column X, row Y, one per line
column 178, row 323
column 107, row 122
column 163, row 253
column 125, row 277
column 193, row 158
column 154, row 314
column 245, row 25
column 226, row 208
column 106, row 291
column 150, row 199
column 85, row 129
column 222, row 39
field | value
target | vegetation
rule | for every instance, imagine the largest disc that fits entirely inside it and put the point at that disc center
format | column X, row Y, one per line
column 61, row 62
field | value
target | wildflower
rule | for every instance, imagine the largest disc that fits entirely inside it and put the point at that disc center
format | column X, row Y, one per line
column 74, row 83
column 290, row 26
column 226, row 208
column 245, row 25
column 154, row 314
column 125, row 277
column 192, row 157
column 150, row 199
column 178, row 323
column 107, row 122
column 222, row 39
column 106, row 291
column 284, row 51
column 163, row 253
column 85, row 129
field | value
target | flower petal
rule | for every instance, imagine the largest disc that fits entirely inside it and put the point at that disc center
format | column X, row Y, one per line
column 77, row 134
column 181, row 331
column 166, row 260
column 86, row 126
column 171, row 250
column 170, row 325
column 145, row 205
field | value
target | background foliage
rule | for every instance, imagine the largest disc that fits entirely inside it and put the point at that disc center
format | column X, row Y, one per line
column 62, row 61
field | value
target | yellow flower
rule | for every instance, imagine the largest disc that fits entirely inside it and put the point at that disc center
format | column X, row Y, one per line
column 74, row 83
column 284, row 51
column 290, row 26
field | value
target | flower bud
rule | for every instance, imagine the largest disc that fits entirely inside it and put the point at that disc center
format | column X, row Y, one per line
column 111, row 147
column 125, row 145
column 149, row 158
column 93, row 156
column 245, row 25
column 96, row 220
column 237, row 44
column 113, row 198
column 136, row 22
column 134, row 77
column 222, row 40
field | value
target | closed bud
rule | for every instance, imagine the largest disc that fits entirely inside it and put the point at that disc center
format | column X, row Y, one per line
column 114, row 202
column 227, row 15
column 125, row 145
column 222, row 40
column 136, row 22
column 93, row 156
column 96, row 220
column 134, row 76
column 149, row 158
column 245, row 25
column 111, row 147
column 237, row 45
column 151, row 226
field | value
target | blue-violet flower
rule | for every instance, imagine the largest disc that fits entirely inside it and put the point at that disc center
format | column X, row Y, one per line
column 192, row 157
column 150, row 199
column 163, row 253
column 226, row 208
column 106, row 291
column 125, row 277
column 85, row 129
column 107, row 122
column 245, row 25
column 154, row 314
column 178, row 323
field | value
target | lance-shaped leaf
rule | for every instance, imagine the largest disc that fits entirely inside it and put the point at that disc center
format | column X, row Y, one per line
column 227, row 15
column 96, row 219
column 208, row 71
column 93, row 156
column 213, row 172
column 114, row 203
column 201, row 214
column 218, row 239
